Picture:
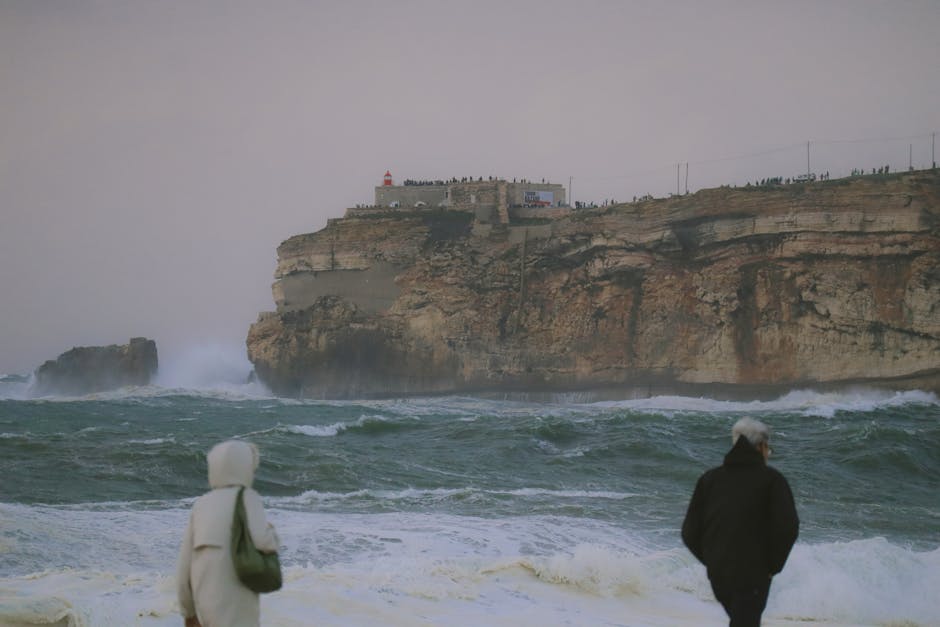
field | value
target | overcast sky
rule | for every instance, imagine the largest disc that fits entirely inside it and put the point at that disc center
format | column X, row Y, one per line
column 153, row 154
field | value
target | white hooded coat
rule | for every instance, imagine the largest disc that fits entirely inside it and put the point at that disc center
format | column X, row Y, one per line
column 207, row 585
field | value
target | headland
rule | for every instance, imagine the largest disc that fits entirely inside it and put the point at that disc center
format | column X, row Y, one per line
column 492, row 286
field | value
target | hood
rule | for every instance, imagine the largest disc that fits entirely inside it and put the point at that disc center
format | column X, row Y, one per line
column 743, row 453
column 232, row 463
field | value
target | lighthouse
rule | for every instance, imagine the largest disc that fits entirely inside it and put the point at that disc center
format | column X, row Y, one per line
column 387, row 181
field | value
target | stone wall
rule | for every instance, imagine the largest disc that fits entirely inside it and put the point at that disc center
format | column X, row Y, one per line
column 411, row 195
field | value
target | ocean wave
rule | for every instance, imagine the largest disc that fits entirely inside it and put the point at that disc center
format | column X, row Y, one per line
column 869, row 581
column 15, row 387
column 462, row 570
column 317, row 431
column 243, row 392
column 372, row 424
column 16, row 436
column 825, row 405
column 153, row 441
column 439, row 494
column 864, row 582
column 203, row 370
column 601, row 570
column 807, row 402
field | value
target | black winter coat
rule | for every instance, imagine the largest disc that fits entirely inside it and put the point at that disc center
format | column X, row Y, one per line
column 741, row 522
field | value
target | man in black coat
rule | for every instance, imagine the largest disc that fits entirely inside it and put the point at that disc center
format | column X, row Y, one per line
column 742, row 523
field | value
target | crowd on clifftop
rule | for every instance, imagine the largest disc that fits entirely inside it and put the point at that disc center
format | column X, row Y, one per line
column 464, row 179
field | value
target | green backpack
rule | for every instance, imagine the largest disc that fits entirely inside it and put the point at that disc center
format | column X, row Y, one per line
column 260, row 572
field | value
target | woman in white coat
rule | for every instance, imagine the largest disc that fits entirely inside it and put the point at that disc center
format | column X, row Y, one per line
column 210, row 594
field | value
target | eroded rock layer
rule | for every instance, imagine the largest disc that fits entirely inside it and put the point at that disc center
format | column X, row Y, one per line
column 825, row 283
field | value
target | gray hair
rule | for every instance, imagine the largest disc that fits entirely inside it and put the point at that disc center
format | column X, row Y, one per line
column 755, row 431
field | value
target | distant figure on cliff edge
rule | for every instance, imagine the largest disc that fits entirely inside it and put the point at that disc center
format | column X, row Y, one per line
column 209, row 591
column 742, row 523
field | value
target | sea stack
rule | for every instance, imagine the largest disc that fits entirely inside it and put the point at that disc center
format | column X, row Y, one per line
column 89, row 369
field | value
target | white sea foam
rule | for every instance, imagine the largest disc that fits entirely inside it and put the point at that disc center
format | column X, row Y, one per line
column 153, row 441
column 204, row 366
column 221, row 391
column 826, row 405
column 207, row 370
column 15, row 388
column 410, row 493
column 809, row 402
column 325, row 431
column 114, row 567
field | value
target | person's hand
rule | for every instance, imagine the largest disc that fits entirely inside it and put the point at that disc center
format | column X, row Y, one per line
column 193, row 621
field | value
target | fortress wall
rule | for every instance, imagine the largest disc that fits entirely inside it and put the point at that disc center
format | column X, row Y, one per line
column 469, row 195
column 480, row 197
column 488, row 200
column 410, row 195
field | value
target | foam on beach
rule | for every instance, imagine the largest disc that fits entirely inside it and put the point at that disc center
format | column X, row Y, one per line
column 418, row 569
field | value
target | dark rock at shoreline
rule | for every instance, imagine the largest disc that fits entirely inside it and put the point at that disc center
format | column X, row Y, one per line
column 88, row 369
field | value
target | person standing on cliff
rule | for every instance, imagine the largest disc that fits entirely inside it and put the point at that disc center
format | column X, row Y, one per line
column 741, row 524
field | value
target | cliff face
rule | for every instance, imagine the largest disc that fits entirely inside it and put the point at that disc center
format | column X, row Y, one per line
column 833, row 282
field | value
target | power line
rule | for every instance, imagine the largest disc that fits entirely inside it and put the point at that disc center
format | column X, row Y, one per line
column 869, row 140
column 763, row 153
column 748, row 155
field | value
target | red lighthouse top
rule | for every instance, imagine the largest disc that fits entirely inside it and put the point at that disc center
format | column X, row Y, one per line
column 388, row 178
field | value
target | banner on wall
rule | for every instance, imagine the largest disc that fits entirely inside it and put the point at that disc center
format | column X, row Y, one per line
column 539, row 199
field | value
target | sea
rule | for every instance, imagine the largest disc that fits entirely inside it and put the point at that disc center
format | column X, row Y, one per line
column 460, row 511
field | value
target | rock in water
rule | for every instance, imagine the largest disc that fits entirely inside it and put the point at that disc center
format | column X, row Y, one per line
column 87, row 369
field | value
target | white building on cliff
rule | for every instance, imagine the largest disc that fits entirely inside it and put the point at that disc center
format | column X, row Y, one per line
column 489, row 199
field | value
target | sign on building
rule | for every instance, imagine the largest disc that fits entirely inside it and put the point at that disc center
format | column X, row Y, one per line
column 539, row 199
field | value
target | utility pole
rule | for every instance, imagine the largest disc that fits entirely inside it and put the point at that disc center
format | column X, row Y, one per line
column 933, row 155
column 686, row 177
column 807, row 160
column 677, row 178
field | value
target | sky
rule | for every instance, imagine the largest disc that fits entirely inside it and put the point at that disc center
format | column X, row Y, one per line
column 154, row 154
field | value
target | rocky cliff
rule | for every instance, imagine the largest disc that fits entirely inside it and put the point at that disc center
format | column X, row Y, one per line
column 748, row 289
column 88, row 369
